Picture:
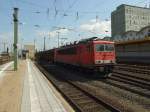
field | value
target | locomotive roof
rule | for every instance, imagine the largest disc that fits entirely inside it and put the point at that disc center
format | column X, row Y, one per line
column 103, row 42
column 46, row 50
column 82, row 43
column 133, row 41
column 97, row 41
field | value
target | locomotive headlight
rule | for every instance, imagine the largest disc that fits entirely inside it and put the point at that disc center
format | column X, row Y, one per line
column 98, row 62
column 104, row 61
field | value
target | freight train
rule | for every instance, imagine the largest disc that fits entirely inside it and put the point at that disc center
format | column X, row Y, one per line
column 133, row 51
column 93, row 55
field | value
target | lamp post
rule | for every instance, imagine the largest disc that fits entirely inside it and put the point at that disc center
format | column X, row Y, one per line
column 44, row 48
column 35, row 40
column 21, row 48
column 49, row 36
column 58, row 38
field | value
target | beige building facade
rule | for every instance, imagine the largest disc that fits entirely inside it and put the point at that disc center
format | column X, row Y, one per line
column 129, row 18
column 30, row 51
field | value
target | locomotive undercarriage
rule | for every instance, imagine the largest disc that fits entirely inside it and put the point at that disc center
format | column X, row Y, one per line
column 101, row 71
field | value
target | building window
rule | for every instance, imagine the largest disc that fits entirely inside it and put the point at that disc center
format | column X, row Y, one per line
column 130, row 22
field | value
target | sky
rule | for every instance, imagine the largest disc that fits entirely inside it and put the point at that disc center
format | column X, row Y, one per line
column 73, row 19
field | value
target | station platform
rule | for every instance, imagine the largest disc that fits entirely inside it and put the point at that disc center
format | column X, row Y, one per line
column 28, row 90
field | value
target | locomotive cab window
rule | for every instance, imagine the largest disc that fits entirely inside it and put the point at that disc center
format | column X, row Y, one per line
column 109, row 47
column 99, row 47
column 104, row 47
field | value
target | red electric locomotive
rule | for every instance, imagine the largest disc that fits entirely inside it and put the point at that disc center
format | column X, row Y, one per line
column 93, row 55
column 89, row 54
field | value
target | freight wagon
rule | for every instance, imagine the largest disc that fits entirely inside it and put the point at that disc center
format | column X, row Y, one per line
column 134, row 52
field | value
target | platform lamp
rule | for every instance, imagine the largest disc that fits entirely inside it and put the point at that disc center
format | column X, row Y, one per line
column 35, row 40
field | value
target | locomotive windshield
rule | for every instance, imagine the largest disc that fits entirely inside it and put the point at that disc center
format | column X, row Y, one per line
column 99, row 47
column 109, row 47
column 104, row 47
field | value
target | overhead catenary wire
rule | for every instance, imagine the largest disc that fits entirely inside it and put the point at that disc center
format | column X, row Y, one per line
column 32, row 4
column 70, row 6
column 63, row 11
column 76, row 14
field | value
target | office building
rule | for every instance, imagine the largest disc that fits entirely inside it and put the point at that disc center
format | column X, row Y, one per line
column 129, row 18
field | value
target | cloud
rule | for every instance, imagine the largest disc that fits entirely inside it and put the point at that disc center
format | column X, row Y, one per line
column 53, row 33
column 6, row 37
column 97, row 27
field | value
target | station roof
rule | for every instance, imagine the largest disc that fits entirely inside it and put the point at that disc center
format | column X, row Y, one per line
column 145, row 40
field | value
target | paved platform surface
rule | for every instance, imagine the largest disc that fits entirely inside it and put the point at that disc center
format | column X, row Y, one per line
column 11, row 87
column 28, row 90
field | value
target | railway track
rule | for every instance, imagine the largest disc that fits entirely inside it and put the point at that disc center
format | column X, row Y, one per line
column 136, row 80
column 78, row 95
column 92, row 88
column 144, row 77
column 133, row 69
column 127, row 86
column 147, row 67
column 130, row 80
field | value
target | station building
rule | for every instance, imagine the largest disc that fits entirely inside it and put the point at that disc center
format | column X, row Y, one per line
column 134, row 35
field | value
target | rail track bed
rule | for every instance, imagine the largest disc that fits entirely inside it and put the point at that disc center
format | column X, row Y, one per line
column 133, row 68
column 77, row 95
column 89, row 95
column 129, row 86
column 132, row 78
column 140, row 76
